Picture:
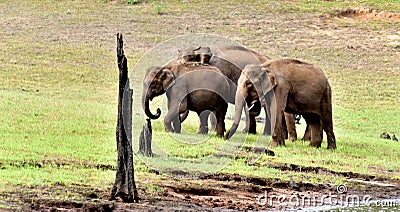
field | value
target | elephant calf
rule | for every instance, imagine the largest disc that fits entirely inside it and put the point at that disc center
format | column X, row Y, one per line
column 188, row 87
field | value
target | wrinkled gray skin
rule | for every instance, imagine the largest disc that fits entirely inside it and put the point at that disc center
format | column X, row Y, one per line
column 231, row 60
column 298, row 87
column 186, row 89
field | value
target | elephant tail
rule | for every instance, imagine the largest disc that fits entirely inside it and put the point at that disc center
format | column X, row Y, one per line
column 327, row 98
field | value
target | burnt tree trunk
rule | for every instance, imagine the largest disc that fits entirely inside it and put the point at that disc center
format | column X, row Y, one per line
column 145, row 140
column 124, row 186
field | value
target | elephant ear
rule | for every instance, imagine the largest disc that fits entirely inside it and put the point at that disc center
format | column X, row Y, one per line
column 167, row 78
column 267, row 85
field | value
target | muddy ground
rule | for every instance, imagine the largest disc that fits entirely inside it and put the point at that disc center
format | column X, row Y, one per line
column 208, row 193
column 214, row 192
column 219, row 191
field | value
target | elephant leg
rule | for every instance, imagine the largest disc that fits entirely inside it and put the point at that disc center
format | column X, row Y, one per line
column 278, row 133
column 174, row 107
column 176, row 122
column 220, row 115
column 213, row 121
column 267, row 125
column 326, row 116
column 316, row 129
column 328, row 127
column 330, row 135
column 252, row 124
column 284, row 128
column 169, row 119
column 307, row 133
column 280, row 98
column 203, row 129
column 291, row 126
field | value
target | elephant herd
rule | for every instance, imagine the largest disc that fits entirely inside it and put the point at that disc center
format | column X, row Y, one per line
column 205, row 80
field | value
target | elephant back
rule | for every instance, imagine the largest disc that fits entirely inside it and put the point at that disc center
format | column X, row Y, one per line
column 239, row 56
column 231, row 60
column 206, row 77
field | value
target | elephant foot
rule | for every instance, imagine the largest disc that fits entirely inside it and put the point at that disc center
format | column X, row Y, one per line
column 276, row 142
column 252, row 132
column 306, row 139
column 292, row 138
column 202, row 131
column 331, row 146
column 315, row 144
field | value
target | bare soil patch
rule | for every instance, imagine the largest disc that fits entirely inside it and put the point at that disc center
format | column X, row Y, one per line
column 367, row 14
column 207, row 193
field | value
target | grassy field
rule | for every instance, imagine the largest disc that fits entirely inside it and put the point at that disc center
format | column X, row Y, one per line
column 58, row 90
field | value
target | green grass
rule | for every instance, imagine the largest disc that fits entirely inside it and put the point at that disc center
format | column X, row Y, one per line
column 58, row 88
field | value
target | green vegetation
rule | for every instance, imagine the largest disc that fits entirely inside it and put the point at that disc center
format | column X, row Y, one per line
column 58, row 87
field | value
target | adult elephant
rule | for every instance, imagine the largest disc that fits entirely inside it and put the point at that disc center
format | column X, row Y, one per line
column 298, row 87
column 187, row 89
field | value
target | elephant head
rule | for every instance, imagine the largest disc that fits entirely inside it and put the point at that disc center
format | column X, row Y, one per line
column 155, row 83
column 187, row 54
column 254, row 83
column 203, row 55
column 199, row 54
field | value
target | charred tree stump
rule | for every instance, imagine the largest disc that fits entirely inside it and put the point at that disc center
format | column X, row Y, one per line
column 124, row 186
column 145, row 140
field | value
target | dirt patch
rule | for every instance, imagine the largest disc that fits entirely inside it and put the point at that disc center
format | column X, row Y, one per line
column 233, row 191
column 325, row 171
column 207, row 193
column 366, row 14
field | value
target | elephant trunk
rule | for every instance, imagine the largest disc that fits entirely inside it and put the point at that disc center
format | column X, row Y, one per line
column 146, row 108
column 239, row 104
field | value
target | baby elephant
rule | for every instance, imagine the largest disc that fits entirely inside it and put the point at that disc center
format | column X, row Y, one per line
column 188, row 87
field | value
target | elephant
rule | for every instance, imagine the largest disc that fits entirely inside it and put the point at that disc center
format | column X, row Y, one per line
column 288, row 85
column 231, row 60
column 202, row 55
column 186, row 89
